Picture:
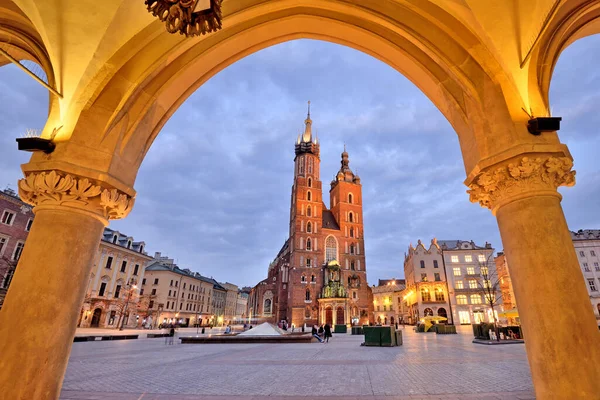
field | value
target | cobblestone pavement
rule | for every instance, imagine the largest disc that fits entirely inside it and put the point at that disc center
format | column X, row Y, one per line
column 427, row 366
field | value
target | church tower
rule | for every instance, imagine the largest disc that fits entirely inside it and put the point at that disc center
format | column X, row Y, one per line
column 305, row 226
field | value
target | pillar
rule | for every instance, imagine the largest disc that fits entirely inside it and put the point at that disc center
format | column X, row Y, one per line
column 42, row 306
column 561, row 335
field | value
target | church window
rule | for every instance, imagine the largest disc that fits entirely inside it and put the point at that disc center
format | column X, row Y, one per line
column 352, row 248
column 350, row 217
column 309, row 182
column 309, row 196
column 307, row 295
column 308, row 263
column 309, row 227
column 308, row 244
column 352, row 265
column 330, row 249
column 310, row 165
column 351, row 232
column 350, row 198
column 313, row 278
column 308, row 212
column 301, row 166
column 303, row 279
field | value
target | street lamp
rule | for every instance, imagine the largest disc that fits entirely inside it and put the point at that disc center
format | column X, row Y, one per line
column 126, row 305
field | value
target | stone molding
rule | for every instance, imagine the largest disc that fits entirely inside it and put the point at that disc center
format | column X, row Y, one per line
column 520, row 178
column 54, row 188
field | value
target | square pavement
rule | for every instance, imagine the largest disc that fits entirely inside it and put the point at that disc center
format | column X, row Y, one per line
column 427, row 366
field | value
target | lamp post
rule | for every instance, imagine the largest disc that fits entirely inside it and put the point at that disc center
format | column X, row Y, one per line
column 129, row 291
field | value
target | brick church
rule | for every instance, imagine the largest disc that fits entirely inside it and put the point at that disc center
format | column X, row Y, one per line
column 319, row 275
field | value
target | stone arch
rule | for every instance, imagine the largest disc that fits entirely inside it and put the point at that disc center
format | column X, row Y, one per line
column 150, row 77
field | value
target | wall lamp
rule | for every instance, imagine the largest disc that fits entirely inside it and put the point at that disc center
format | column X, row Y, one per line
column 33, row 142
column 537, row 125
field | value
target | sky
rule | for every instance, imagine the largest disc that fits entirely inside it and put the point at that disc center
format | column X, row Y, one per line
column 214, row 189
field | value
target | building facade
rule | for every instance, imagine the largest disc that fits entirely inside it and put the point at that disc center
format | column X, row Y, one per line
column 241, row 307
column 16, row 219
column 506, row 287
column 113, row 291
column 319, row 275
column 587, row 247
column 176, row 296
column 218, row 304
column 469, row 268
column 426, row 292
column 231, row 297
column 388, row 306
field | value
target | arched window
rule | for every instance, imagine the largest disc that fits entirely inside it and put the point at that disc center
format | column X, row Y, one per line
column 307, row 295
column 308, row 244
column 442, row 312
column 425, row 295
column 302, row 279
column 129, row 244
column 428, row 312
column 313, row 278
column 351, row 232
column 350, row 217
column 115, row 239
column 309, row 182
column 141, row 248
column 350, row 198
column 309, row 227
column 310, row 165
column 475, row 299
column 301, row 165
column 309, row 196
column 267, row 306
column 330, row 249
column 352, row 248
column 352, row 265
column 308, row 211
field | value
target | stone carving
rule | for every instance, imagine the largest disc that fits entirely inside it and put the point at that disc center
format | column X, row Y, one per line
column 56, row 188
column 490, row 188
column 188, row 17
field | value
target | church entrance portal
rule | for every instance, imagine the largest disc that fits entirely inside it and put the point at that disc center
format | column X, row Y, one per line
column 340, row 316
column 96, row 318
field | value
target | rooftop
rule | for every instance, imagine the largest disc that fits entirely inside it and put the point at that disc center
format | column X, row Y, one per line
column 586, row 234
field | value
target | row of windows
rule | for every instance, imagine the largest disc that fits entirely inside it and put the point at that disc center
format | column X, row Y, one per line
column 8, row 218
column 462, row 299
column 426, row 295
column 582, row 253
column 457, row 271
column 115, row 239
column 586, row 267
column 435, row 264
column 385, row 308
column 109, row 262
column 436, row 277
column 468, row 258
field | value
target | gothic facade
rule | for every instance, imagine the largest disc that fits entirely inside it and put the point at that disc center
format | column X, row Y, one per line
column 319, row 275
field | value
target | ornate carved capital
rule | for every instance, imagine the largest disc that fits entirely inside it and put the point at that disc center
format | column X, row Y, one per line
column 188, row 17
column 497, row 186
column 55, row 188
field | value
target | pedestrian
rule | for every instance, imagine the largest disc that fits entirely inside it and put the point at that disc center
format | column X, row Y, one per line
column 315, row 334
column 327, row 332
column 321, row 332
column 171, row 334
column 293, row 327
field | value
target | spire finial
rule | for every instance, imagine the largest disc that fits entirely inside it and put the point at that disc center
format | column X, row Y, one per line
column 308, row 116
column 344, row 147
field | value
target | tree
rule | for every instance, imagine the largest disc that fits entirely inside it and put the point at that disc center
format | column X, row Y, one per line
column 488, row 285
column 144, row 309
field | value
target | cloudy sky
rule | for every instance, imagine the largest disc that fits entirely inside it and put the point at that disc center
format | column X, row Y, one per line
column 214, row 190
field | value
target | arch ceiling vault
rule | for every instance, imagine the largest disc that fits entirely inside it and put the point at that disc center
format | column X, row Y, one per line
column 122, row 74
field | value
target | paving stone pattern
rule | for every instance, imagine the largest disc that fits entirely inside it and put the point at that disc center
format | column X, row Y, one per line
column 427, row 366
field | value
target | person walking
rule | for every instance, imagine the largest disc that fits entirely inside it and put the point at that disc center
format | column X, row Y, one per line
column 315, row 334
column 327, row 330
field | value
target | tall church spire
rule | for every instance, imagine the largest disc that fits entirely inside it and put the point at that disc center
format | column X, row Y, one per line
column 307, row 136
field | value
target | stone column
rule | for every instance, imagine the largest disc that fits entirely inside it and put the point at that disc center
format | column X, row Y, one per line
column 39, row 316
column 561, row 335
